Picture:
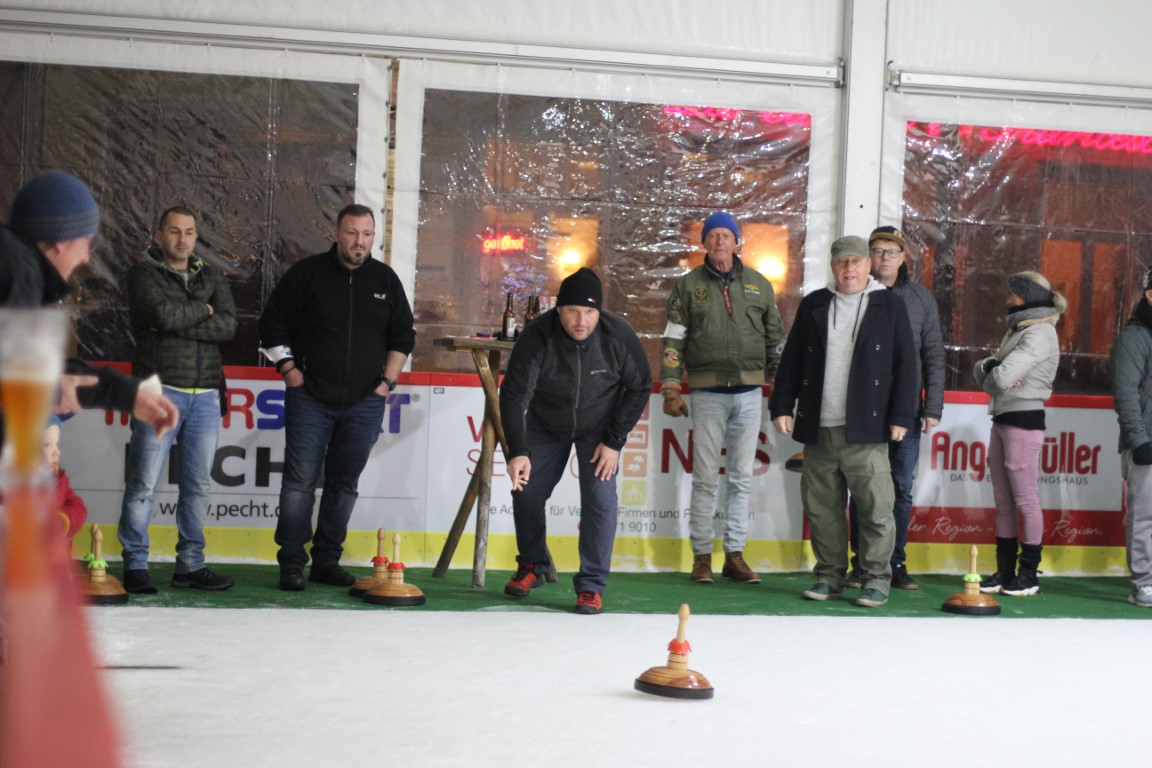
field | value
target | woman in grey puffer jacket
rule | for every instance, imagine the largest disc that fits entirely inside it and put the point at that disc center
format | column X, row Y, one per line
column 1019, row 377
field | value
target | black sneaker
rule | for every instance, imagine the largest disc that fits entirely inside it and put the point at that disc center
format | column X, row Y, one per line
column 138, row 582
column 292, row 579
column 202, row 579
column 994, row 583
column 1024, row 585
column 854, row 580
column 901, row 579
column 331, row 574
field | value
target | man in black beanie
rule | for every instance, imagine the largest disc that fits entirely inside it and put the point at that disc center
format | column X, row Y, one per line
column 49, row 234
column 577, row 376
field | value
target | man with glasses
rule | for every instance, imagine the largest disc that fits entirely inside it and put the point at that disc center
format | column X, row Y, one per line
column 887, row 248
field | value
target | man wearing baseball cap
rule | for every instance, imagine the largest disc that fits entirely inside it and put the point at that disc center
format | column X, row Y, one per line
column 848, row 372
column 577, row 377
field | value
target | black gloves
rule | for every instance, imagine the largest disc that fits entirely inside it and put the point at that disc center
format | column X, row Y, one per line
column 1142, row 455
column 990, row 363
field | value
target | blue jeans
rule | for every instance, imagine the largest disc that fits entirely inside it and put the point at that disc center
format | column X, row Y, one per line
column 195, row 437
column 720, row 420
column 338, row 440
column 902, row 455
column 598, row 506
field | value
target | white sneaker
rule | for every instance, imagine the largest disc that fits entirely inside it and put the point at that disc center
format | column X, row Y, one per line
column 1141, row 596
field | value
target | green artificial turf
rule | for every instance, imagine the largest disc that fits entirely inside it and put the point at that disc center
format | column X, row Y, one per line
column 778, row 595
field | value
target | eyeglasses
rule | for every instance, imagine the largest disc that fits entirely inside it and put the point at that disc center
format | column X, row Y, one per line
column 882, row 253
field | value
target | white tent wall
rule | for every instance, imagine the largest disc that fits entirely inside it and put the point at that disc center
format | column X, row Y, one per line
column 750, row 30
column 1064, row 40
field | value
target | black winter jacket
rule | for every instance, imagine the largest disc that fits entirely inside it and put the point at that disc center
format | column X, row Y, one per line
column 175, row 336
column 599, row 385
column 882, row 379
column 339, row 323
column 924, row 316
column 29, row 281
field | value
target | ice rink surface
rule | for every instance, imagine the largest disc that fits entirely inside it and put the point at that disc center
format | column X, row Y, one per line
column 295, row 688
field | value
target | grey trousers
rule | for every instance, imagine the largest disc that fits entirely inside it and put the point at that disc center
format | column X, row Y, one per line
column 832, row 470
column 1138, row 521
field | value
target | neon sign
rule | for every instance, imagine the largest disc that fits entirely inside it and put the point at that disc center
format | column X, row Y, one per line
column 725, row 114
column 506, row 242
column 1106, row 142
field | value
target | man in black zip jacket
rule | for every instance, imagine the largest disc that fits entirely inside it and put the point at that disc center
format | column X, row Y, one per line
column 339, row 329
column 579, row 377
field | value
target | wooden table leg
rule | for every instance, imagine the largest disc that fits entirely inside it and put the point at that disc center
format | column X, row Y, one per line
column 457, row 527
column 483, row 500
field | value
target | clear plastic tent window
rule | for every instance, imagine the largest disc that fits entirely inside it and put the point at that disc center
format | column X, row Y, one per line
column 266, row 163
column 516, row 192
column 983, row 202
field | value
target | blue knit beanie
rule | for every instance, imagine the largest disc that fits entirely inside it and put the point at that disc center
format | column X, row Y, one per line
column 55, row 207
column 723, row 220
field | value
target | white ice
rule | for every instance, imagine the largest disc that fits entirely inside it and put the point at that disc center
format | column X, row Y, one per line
column 409, row 689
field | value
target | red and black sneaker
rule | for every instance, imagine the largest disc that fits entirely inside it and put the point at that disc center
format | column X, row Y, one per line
column 588, row 603
column 526, row 579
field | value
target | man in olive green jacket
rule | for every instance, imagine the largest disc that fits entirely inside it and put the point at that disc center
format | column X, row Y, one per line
column 725, row 331
column 181, row 310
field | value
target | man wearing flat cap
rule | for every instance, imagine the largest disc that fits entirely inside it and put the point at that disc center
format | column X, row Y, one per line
column 577, row 377
column 724, row 331
column 849, row 373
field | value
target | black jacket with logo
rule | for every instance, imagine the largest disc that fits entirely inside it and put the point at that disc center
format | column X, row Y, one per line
column 339, row 323
column 574, row 388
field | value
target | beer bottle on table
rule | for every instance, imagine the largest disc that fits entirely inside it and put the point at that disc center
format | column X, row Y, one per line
column 508, row 325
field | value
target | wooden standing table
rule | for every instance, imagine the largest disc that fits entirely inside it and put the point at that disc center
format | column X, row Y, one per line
column 486, row 354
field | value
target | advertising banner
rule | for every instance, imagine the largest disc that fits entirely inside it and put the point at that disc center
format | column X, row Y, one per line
column 429, row 447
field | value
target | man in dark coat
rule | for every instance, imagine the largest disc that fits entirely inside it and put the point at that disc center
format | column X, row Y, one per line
column 848, row 370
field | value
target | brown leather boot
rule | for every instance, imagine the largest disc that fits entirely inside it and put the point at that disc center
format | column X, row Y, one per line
column 702, row 569
column 737, row 570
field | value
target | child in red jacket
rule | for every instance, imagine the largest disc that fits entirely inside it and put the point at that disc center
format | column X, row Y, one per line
column 69, row 508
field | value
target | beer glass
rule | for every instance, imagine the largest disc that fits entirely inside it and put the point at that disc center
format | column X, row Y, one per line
column 31, row 361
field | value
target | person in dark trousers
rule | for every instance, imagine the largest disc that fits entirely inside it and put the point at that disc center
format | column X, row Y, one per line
column 888, row 252
column 848, row 372
column 181, row 311
column 577, row 377
column 339, row 329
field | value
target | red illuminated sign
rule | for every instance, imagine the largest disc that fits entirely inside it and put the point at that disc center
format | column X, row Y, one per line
column 504, row 242
column 723, row 113
column 1107, row 142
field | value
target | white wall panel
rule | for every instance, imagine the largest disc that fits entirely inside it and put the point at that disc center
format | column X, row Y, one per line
column 758, row 29
column 1066, row 40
